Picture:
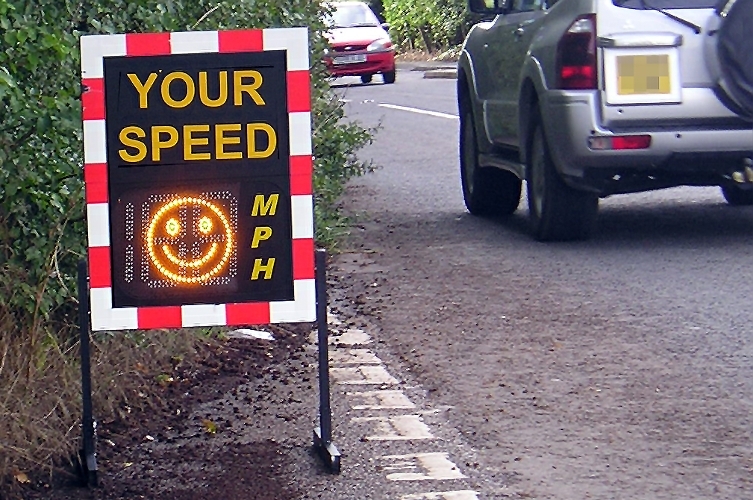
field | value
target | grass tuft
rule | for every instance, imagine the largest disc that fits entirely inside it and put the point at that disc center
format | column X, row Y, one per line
column 40, row 391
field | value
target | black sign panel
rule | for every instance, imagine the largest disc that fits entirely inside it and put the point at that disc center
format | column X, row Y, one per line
column 199, row 179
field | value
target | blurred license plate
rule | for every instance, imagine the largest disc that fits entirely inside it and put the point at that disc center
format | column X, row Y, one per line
column 350, row 59
column 644, row 74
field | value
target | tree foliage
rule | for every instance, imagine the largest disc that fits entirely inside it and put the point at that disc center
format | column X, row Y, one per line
column 42, row 219
column 429, row 25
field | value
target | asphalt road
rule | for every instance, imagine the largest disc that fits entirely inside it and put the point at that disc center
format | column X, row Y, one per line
column 618, row 368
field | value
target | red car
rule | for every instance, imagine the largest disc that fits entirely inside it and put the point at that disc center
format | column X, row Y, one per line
column 359, row 44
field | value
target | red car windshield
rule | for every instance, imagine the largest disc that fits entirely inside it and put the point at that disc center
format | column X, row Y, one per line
column 352, row 15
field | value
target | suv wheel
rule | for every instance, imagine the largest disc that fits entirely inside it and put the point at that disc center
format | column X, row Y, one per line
column 388, row 76
column 557, row 212
column 737, row 196
column 366, row 78
column 486, row 191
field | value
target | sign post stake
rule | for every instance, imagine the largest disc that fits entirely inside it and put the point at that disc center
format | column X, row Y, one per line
column 88, row 455
column 323, row 434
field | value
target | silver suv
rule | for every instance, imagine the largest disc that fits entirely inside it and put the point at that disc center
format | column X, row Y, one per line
column 583, row 99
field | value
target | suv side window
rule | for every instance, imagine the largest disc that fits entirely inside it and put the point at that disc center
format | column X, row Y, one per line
column 528, row 5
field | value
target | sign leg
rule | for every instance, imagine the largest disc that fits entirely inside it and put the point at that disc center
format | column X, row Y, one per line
column 323, row 434
column 88, row 454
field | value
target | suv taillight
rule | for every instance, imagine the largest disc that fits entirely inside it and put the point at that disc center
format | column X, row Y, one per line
column 576, row 55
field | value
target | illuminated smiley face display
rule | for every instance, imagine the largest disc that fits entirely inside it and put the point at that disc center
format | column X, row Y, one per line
column 216, row 245
column 190, row 240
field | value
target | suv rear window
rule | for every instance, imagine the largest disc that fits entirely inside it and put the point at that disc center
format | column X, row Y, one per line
column 666, row 4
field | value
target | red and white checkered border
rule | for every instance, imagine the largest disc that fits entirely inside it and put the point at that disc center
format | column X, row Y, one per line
column 94, row 49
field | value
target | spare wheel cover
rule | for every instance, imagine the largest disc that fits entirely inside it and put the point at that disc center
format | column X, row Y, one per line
column 735, row 54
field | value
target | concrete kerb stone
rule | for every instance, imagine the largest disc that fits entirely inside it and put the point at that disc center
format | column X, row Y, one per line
column 441, row 73
column 433, row 69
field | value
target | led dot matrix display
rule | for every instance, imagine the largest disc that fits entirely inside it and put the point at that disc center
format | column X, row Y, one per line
column 190, row 240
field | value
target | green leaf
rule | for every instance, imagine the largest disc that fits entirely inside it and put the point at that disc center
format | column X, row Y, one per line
column 33, row 59
column 43, row 124
column 10, row 37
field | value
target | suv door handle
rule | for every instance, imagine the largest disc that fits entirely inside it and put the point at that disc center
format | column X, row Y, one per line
column 520, row 31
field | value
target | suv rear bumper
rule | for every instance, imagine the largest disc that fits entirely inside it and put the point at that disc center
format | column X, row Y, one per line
column 702, row 156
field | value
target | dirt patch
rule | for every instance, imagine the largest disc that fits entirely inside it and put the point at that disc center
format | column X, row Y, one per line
column 228, row 425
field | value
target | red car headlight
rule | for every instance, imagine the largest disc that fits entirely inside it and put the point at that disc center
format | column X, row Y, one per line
column 381, row 45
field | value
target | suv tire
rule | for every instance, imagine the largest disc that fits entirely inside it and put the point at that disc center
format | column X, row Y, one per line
column 557, row 212
column 486, row 191
column 389, row 76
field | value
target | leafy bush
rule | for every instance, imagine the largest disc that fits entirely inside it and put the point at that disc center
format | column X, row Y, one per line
column 42, row 224
column 429, row 25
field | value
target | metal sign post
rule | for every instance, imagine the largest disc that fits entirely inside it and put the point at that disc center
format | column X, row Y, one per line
column 323, row 434
column 88, row 453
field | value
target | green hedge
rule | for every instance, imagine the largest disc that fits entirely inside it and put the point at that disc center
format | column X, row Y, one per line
column 430, row 25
